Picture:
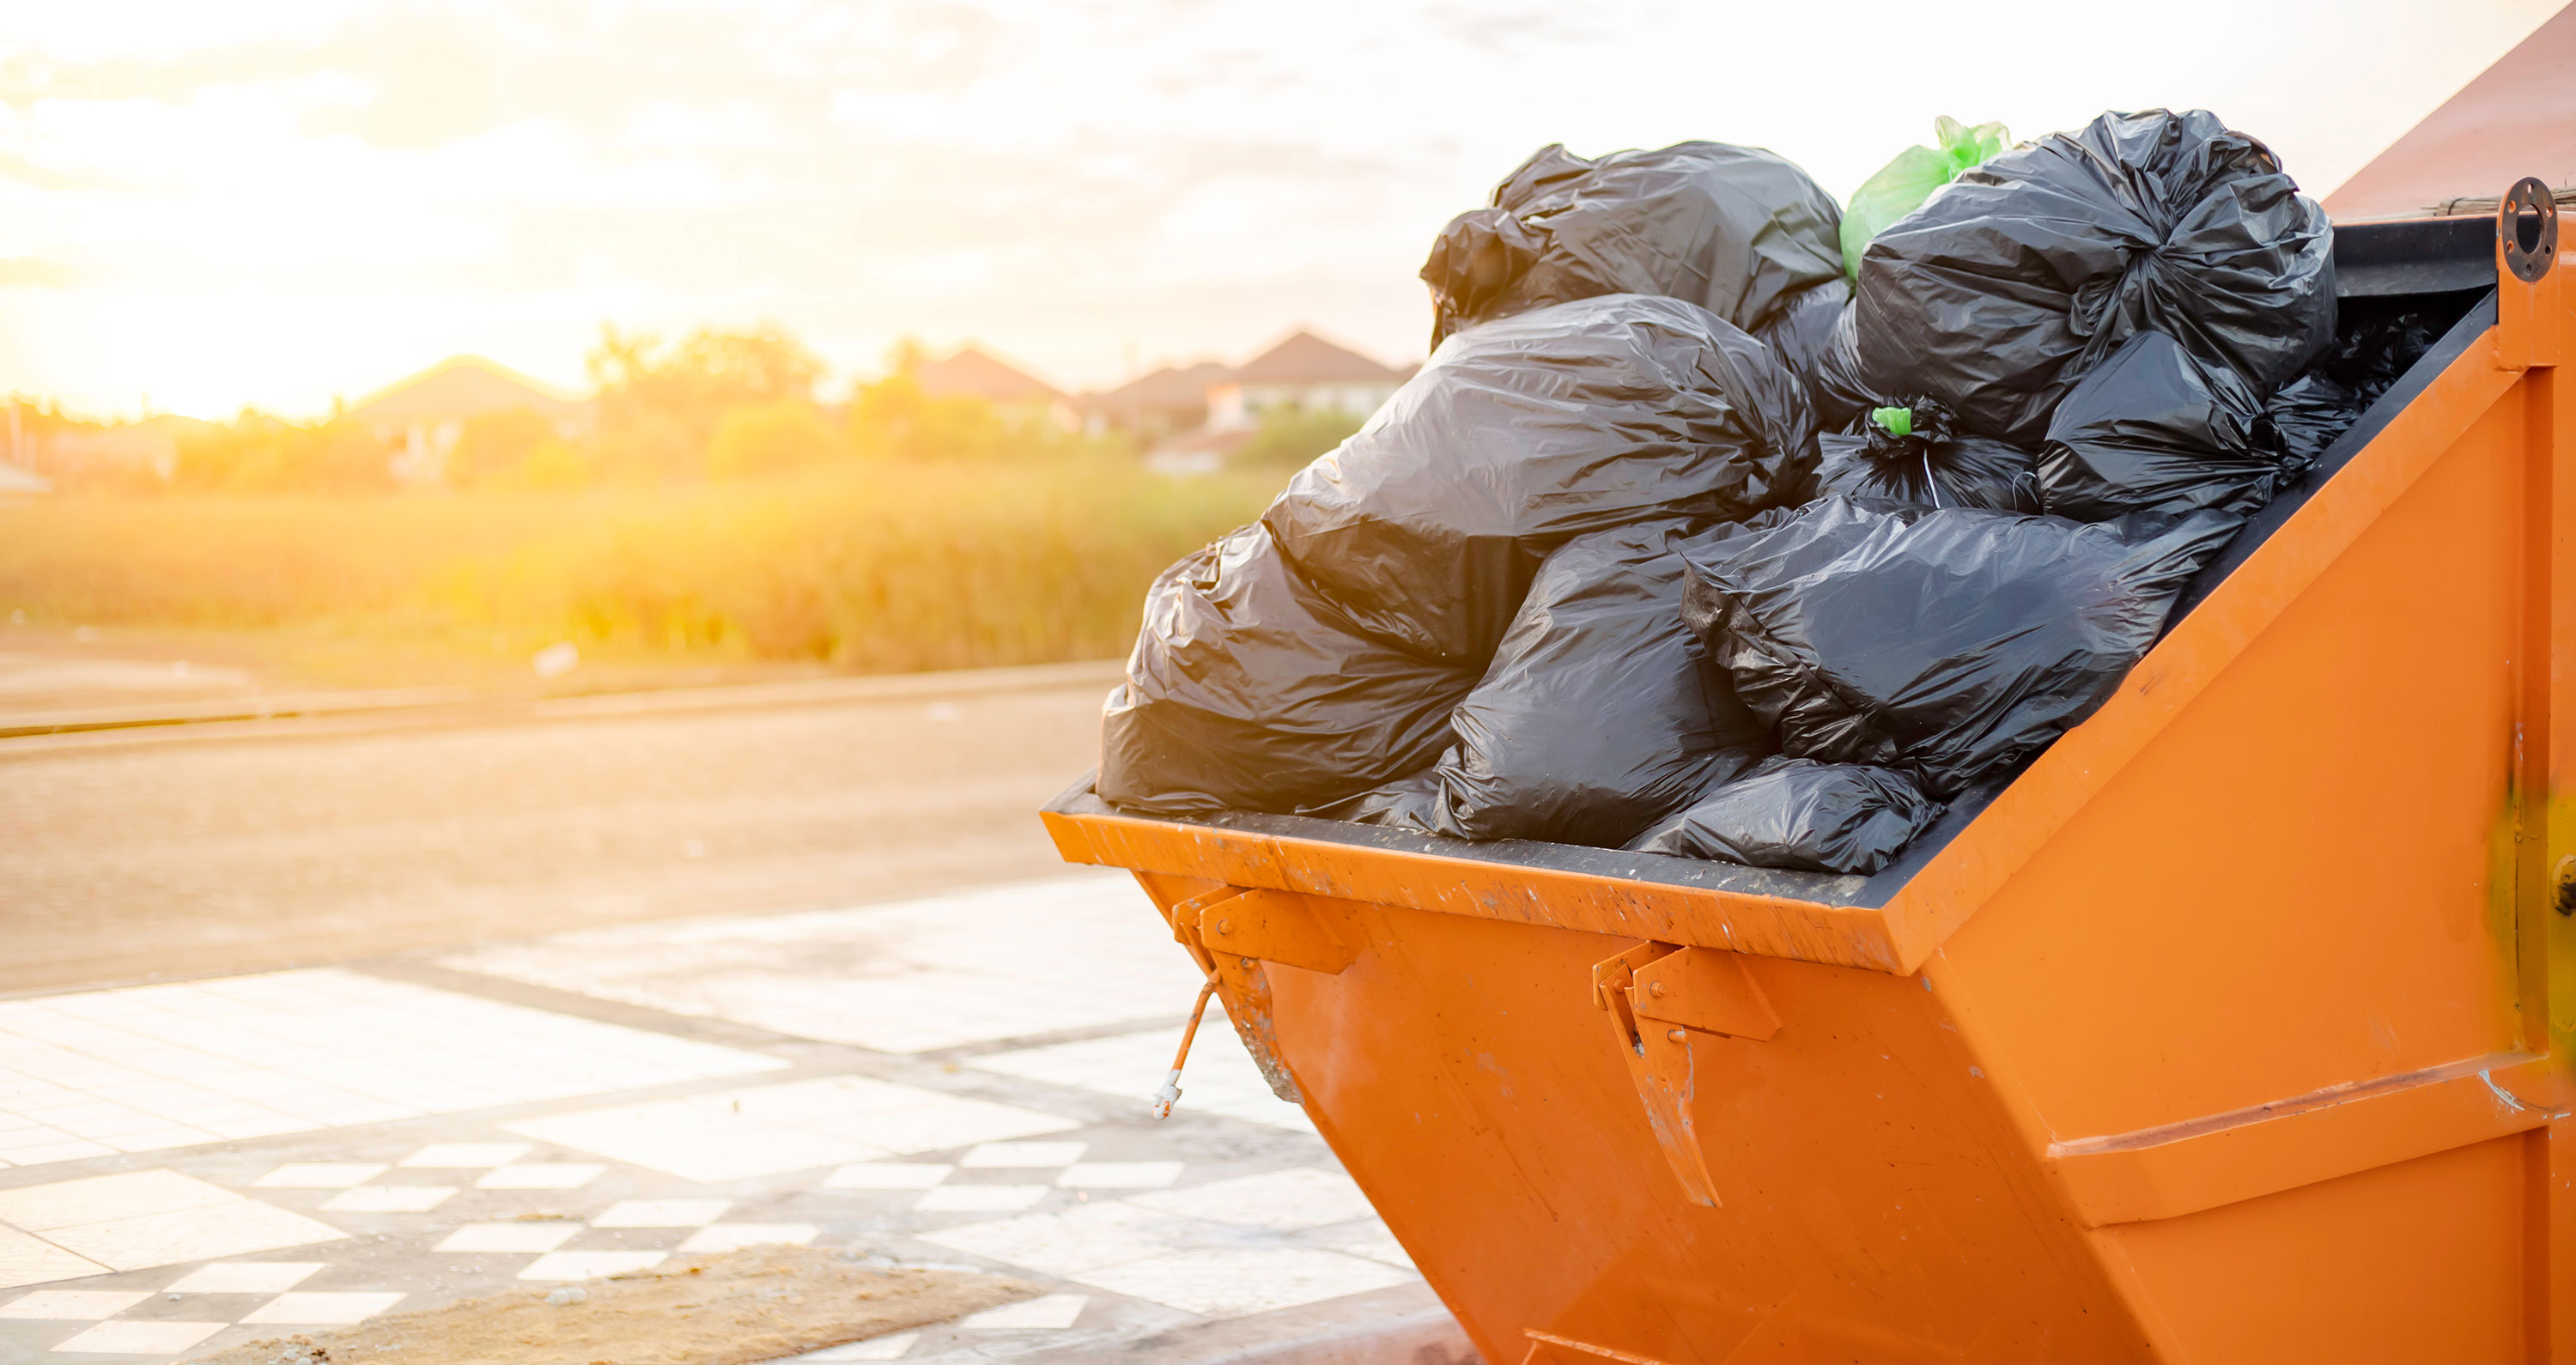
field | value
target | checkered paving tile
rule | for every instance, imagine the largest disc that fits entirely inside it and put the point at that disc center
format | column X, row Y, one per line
column 603, row 1147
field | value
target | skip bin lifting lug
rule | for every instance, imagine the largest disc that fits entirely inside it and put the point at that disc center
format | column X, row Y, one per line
column 1660, row 998
column 2532, row 303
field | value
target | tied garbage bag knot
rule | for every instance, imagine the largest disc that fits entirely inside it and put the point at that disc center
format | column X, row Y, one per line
column 1917, row 453
column 1736, row 230
column 2000, row 292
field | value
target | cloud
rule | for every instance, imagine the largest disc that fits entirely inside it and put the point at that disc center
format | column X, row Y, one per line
column 366, row 185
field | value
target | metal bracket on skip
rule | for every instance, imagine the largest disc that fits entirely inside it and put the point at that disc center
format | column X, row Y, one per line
column 1661, row 999
column 1231, row 932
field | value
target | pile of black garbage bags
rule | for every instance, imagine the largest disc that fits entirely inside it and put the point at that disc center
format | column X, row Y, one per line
column 1689, row 542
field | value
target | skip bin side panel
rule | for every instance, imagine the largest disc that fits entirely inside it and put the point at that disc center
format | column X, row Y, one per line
column 2419, row 1261
column 1871, row 1198
column 2305, row 878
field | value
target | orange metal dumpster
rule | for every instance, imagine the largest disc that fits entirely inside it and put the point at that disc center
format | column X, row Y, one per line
column 2236, row 1027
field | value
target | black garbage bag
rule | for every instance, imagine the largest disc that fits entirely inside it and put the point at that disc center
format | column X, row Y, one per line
column 1601, row 711
column 1735, row 230
column 1812, row 335
column 2153, row 430
column 1798, row 814
column 2024, row 273
column 1918, row 454
column 1525, row 432
column 2375, row 342
column 2310, row 415
column 1248, row 690
column 1952, row 643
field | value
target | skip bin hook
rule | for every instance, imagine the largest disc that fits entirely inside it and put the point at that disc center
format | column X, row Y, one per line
column 1170, row 1094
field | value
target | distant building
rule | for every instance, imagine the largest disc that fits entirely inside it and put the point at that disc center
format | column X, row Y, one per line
column 1303, row 373
column 1019, row 397
column 421, row 417
column 1159, row 405
column 67, row 454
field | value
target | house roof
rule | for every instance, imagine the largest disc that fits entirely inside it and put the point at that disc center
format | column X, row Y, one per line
column 975, row 374
column 2517, row 118
column 463, row 386
column 1306, row 358
column 1168, row 387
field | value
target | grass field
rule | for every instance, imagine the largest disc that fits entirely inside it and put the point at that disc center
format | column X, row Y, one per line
column 874, row 569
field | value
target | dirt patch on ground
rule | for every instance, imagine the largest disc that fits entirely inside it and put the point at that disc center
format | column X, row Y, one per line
column 756, row 1304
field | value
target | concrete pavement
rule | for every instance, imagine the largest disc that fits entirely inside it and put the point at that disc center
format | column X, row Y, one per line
column 226, row 847
column 449, row 1004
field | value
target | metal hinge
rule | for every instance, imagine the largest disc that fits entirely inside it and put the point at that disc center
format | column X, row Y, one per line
column 1661, row 999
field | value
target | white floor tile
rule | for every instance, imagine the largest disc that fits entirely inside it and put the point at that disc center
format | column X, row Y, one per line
column 1220, row 1077
column 244, row 1057
column 590, row 1265
column 692, row 1142
column 979, row 1198
column 142, row 1338
column 504, row 1237
column 389, row 1199
column 888, row 1175
column 662, row 1213
column 1068, row 952
column 245, row 1277
column 73, row 1305
column 322, row 1309
column 769, row 1130
column 467, row 1155
column 1299, row 1197
column 1047, row 1312
column 52, row 1152
column 1024, row 1154
column 874, row 1348
column 319, row 1175
column 1226, row 1284
column 729, row 1236
column 1371, row 1240
column 156, row 1239
column 540, row 1175
column 954, row 1122
column 26, row 1259
column 66, row 1203
column 1119, row 1175
column 1087, row 1237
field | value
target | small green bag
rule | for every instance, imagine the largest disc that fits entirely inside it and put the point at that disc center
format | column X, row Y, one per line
column 1901, row 186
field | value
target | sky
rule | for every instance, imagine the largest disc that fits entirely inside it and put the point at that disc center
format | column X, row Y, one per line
column 284, row 203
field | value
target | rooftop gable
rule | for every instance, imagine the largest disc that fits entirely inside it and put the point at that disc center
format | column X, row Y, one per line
column 1306, row 358
column 463, row 386
column 1170, row 386
column 974, row 374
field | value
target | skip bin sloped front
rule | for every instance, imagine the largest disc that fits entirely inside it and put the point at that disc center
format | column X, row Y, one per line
column 1866, row 1201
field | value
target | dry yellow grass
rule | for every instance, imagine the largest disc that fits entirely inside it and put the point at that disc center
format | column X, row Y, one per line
column 877, row 568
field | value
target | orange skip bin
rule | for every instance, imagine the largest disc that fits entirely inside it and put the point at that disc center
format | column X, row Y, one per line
column 2236, row 1028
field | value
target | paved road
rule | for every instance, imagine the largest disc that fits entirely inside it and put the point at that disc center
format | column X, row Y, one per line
column 187, row 858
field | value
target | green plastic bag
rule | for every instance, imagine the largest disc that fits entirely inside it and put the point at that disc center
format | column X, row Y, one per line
column 1901, row 186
